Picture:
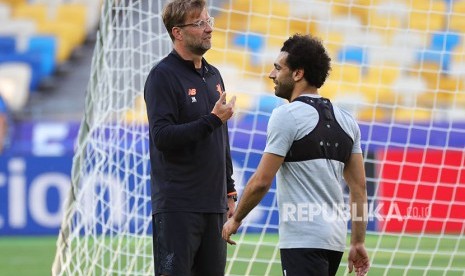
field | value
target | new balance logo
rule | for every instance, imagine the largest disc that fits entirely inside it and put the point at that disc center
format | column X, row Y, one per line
column 192, row 92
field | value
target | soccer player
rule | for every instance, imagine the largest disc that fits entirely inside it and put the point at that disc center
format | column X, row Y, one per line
column 311, row 145
column 192, row 189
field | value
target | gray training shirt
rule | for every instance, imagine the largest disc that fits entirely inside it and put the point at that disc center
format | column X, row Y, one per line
column 310, row 193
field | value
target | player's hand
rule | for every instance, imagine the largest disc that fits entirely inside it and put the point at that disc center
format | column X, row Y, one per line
column 229, row 228
column 224, row 110
column 358, row 258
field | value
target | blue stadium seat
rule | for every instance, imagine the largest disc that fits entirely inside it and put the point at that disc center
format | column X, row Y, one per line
column 251, row 41
column 439, row 51
column 7, row 44
column 45, row 47
column 445, row 41
column 353, row 54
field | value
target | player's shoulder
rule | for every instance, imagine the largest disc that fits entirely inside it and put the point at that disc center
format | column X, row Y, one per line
column 343, row 112
column 345, row 118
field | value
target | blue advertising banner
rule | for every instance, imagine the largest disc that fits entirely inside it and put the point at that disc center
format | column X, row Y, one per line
column 35, row 172
column 32, row 192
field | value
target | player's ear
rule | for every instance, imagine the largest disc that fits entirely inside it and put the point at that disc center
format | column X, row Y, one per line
column 298, row 74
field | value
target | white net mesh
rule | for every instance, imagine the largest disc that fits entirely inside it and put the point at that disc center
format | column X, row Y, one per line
column 398, row 65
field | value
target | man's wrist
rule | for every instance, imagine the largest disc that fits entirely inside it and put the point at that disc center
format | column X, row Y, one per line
column 233, row 196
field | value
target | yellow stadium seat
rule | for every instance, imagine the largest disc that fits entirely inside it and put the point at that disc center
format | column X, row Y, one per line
column 260, row 7
column 382, row 74
column 136, row 113
column 234, row 57
column 359, row 8
column 329, row 89
column 14, row 3
column 301, row 26
column 412, row 114
column 384, row 25
column 220, row 39
column 67, row 41
column 37, row 12
column 459, row 99
column 67, row 23
column 333, row 41
column 75, row 14
column 378, row 93
column 430, row 72
column 238, row 5
column 269, row 25
column 346, row 73
column 232, row 21
column 427, row 15
column 444, row 93
column 373, row 113
column 457, row 16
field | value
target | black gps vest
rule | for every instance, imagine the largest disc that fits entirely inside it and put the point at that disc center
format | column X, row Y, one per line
column 326, row 141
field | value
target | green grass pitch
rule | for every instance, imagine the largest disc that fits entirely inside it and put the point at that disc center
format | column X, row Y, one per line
column 34, row 255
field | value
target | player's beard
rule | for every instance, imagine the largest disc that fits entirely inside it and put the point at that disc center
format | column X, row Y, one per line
column 284, row 88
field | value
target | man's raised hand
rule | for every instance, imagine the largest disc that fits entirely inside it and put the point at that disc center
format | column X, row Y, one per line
column 224, row 110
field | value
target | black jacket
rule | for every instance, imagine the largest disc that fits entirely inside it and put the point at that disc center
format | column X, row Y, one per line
column 190, row 158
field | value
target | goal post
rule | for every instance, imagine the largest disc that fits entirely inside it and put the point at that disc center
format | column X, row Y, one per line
column 397, row 65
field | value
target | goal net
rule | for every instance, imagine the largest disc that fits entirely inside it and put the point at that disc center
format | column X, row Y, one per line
column 397, row 65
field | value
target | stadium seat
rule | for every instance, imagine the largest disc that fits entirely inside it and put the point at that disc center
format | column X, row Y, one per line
column 46, row 47
column 265, row 24
column 14, row 3
column 7, row 44
column 388, row 15
column 21, row 29
column 382, row 74
column 377, row 84
column 427, row 15
column 457, row 16
column 445, row 91
column 333, row 42
column 410, row 115
column 373, row 113
column 39, row 55
column 254, row 42
column 353, row 54
column 75, row 14
column 67, row 41
column 37, row 12
column 14, row 84
column 346, row 73
column 260, row 7
column 232, row 21
column 442, row 58
column 445, row 41
column 93, row 8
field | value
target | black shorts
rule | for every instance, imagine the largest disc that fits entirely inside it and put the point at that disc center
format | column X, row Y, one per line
column 188, row 244
column 310, row 261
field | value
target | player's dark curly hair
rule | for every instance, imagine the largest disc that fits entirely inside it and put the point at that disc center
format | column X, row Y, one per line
column 307, row 52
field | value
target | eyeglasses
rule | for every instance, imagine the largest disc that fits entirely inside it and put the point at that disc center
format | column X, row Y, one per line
column 201, row 24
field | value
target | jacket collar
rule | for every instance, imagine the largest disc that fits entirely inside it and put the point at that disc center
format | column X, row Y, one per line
column 190, row 64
